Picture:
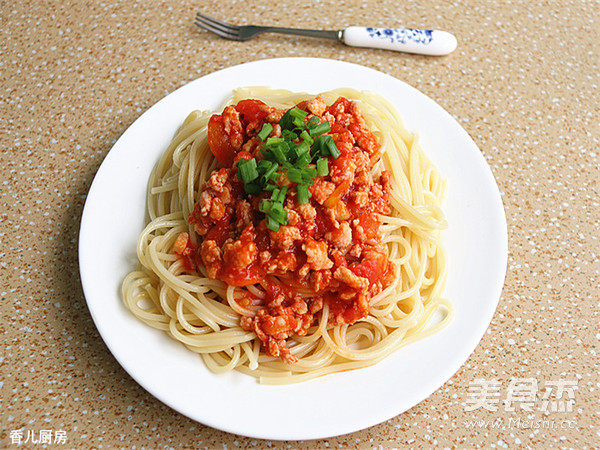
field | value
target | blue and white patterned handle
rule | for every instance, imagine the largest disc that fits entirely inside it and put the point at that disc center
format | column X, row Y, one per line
column 409, row 40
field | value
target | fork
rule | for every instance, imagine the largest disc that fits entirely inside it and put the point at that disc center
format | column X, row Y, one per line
column 409, row 40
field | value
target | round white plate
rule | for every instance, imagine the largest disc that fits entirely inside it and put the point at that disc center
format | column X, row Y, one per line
column 476, row 241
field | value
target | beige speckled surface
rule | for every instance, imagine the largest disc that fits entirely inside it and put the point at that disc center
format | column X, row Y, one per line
column 524, row 84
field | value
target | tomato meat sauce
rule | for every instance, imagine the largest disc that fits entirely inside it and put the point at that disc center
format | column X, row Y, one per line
column 329, row 250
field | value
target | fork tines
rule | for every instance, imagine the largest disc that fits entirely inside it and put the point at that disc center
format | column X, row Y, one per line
column 220, row 28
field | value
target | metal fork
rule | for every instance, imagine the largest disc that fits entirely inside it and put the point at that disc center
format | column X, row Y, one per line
column 410, row 40
column 243, row 33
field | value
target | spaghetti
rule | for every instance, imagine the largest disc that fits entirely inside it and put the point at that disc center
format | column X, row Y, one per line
column 292, row 283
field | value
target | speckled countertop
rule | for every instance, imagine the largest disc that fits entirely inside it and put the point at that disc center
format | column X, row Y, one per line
column 523, row 83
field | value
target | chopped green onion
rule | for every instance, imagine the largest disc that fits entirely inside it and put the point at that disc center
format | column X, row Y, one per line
column 302, row 148
column 286, row 121
column 247, row 170
column 289, row 135
column 293, row 154
column 323, row 127
column 333, row 150
column 272, row 224
column 294, row 175
column 290, row 150
column 303, row 194
column 298, row 113
column 325, row 146
column 279, row 154
column 322, row 167
column 265, row 131
column 267, row 168
column 303, row 161
column 282, row 194
column 298, row 122
column 273, row 141
column 308, row 174
column 264, row 206
column 312, row 122
column 307, row 137
column 319, row 144
column 251, row 188
column 278, row 213
column 298, row 116
column 264, row 165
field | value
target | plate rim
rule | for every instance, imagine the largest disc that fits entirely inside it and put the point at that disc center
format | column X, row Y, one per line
column 236, row 429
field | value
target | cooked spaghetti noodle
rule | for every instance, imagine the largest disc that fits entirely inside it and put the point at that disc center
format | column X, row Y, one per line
column 215, row 319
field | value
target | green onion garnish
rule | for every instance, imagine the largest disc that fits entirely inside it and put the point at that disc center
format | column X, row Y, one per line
column 264, row 165
column 265, row 131
column 325, row 146
column 303, row 194
column 279, row 154
column 317, row 146
column 303, row 160
column 305, row 135
column 287, row 121
column 294, row 153
column 275, row 194
column 272, row 224
column 302, row 148
column 273, row 141
column 247, row 170
column 289, row 135
column 322, row 167
column 278, row 213
column 312, row 122
column 333, row 150
column 294, row 175
column 252, row 188
column 264, row 206
column 323, row 127
column 307, row 175
column 298, row 113
column 282, row 194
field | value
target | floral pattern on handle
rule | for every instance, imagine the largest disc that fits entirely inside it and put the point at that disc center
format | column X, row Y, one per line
column 402, row 35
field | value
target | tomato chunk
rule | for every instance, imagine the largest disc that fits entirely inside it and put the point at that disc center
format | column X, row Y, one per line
column 371, row 268
column 219, row 142
column 244, row 277
column 252, row 110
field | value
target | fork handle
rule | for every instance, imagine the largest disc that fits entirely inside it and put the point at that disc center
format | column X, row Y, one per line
column 409, row 40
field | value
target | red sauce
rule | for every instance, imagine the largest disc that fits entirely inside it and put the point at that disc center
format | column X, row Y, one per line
column 328, row 253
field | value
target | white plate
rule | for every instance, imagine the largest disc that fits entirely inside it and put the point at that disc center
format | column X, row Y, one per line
column 476, row 241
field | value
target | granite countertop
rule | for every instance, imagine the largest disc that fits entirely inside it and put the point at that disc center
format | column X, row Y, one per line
column 523, row 83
